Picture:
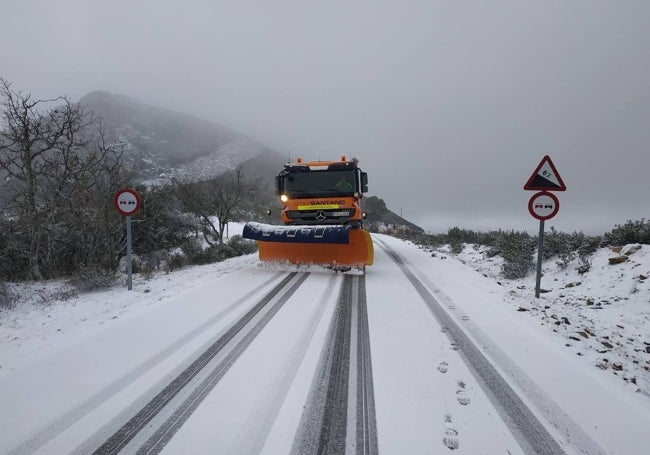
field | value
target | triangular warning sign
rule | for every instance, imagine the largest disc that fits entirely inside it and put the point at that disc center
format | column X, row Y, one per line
column 545, row 177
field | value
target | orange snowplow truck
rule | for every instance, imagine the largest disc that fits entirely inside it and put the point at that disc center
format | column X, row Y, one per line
column 322, row 217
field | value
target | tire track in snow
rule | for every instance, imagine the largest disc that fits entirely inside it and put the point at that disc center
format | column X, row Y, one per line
column 73, row 416
column 531, row 434
column 339, row 417
column 366, row 428
column 229, row 346
column 252, row 436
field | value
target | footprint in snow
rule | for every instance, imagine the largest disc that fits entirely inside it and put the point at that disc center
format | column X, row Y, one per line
column 443, row 367
column 450, row 438
column 461, row 395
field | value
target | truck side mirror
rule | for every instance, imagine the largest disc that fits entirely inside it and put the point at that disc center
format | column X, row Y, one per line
column 364, row 182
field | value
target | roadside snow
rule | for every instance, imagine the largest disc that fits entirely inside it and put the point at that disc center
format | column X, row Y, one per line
column 602, row 315
column 67, row 355
column 51, row 315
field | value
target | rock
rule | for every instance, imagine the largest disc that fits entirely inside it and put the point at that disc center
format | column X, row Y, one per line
column 607, row 344
column 630, row 249
column 617, row 260
column 573, row 284
column 616, row 366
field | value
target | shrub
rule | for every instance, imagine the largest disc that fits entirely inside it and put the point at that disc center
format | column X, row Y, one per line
column 176, row 261
column 584, row 266
column 630, row 232
column 191, row 249
column 564, row 259
column 241, row 246
column 456, row 239
column 588, row 246
column 517, row 252
column 92, row 279
column 557, row 244
column 7, row 296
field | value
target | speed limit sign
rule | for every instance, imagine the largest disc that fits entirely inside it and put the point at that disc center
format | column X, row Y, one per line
column 127, row 202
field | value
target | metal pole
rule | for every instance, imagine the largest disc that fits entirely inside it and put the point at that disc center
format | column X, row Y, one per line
column 540, row 250
column 129, row 268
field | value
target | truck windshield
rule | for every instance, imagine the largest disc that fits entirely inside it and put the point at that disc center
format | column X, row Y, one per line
column 320, row 184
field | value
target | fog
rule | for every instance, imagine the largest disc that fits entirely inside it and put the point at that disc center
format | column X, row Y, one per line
column 448, row 105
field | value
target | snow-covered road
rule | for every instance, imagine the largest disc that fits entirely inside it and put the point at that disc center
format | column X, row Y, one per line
column 417, row 356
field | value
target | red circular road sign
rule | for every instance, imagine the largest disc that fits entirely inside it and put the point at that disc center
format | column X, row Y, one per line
column 543, row 205
column 127, row 201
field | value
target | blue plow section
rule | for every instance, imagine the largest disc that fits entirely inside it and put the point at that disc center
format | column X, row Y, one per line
column 297, row 234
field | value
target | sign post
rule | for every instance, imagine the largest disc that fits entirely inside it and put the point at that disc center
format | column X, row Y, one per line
column 543, row 205
column 127, row 202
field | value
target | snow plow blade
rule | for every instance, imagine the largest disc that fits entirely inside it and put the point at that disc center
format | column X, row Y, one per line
column 329, row 246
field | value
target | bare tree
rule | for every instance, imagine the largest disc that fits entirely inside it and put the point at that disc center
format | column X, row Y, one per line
column 214, row 201
column 59, row 172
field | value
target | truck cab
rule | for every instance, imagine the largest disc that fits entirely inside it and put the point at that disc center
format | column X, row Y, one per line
column 321, row 192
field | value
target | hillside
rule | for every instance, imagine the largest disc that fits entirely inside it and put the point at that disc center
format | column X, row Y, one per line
column 161, row 145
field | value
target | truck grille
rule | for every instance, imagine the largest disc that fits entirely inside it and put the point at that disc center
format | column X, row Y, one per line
column 329, row 216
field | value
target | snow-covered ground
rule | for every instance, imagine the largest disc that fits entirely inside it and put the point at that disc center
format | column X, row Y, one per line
column 585, row 346
column 602, row 315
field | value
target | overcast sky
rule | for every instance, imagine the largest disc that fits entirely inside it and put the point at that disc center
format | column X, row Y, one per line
column 449, row 105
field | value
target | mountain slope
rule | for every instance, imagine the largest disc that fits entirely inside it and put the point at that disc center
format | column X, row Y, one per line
column 161, row 144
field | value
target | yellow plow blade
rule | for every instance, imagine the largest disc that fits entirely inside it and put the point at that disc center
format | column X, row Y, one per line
column 358, row 252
